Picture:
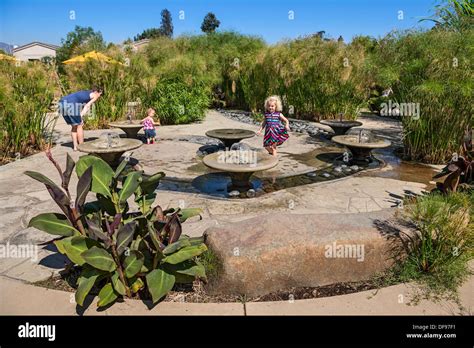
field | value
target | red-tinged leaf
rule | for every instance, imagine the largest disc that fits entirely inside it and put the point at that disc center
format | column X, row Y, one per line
column 159, row 283
column 125, row 236
column 154, row 238
column 96, row 231
column 115, row 224
column 61, row 199
column 157, row 214
column 70, row 164
column 41, row 178
column 174, row 229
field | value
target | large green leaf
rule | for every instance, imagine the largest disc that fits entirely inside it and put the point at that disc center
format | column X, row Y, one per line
column 183, row 278
column 145, row 202
column 159, row 283
column 85, row 283
column 149, row 185
column 185, row 254
column 125, row 236
column 133, row 263
column 185, row 214
column 40, row 177
column 171, row 248
column 75, row 246
column 107, row 295
column 83, row 187
column 60, row 245
column 120, row 168
column 102, row 174
column 99, row 258
column 189, row 267
column 53, row 223
column 129, row 186
column 117, row 283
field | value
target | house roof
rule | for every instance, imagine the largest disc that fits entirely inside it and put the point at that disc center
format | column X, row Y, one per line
column 140, row 42
column 35, row 43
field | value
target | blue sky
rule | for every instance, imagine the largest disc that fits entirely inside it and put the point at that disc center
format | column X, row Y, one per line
column 23, row 21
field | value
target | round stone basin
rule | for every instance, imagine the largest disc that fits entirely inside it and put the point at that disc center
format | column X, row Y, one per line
column 112, row 154
column 230, row 136
column 130, row 128
column 361, row 151
column 240, row 173
column 341, row 127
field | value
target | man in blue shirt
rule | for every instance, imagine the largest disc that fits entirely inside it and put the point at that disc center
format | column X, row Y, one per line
column 73, row 107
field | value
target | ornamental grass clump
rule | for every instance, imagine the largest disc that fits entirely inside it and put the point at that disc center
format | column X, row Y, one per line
column 439, row 251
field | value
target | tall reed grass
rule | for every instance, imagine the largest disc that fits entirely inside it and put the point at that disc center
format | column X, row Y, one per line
column 316, row 78
column 26, row 93
column 434, row 69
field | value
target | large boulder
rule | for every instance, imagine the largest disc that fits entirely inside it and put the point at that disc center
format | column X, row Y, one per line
column 279, row 251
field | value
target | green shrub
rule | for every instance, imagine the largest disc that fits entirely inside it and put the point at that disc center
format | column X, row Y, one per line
column 177, row 102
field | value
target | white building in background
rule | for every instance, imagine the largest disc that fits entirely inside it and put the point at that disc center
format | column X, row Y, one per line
column 136, row 46
column 34, row 51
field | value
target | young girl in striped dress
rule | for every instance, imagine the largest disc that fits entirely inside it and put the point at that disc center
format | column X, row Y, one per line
column 275, row 133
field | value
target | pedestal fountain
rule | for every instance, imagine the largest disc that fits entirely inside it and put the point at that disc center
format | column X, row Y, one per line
column 131, row 126
column 110, row 147
column 340, row 127
column 240, row 165
column 361, row 144
column 230, row 136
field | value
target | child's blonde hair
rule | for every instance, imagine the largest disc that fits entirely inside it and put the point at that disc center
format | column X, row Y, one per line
column 148, row 113
column 277, row 100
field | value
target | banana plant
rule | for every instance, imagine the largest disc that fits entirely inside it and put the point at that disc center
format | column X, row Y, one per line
column 121, row 251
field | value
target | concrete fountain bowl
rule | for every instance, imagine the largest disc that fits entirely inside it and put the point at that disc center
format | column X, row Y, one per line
column 110, row 152
column 240, row 165
column 130, row 128
column 230, row 136
column 340, row 127
column 361, row 146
